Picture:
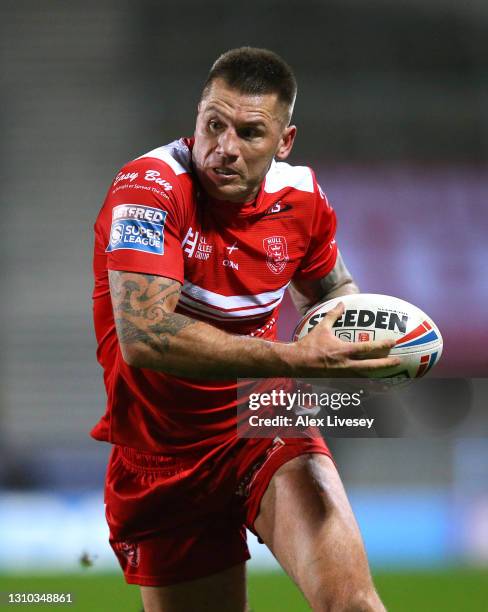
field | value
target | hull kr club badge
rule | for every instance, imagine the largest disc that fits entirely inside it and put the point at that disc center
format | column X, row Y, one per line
column 277, row 253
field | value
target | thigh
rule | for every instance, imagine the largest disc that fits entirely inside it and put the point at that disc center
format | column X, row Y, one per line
column 166, row 531
column 221, row 592
column 307, row 522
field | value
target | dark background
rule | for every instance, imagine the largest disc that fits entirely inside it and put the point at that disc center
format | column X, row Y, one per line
column 392, row 113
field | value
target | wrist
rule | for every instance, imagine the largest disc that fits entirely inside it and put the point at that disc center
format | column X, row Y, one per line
column 288, row 354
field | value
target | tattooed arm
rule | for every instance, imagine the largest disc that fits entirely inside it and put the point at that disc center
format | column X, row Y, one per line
column 339, row 281
column 152, row 336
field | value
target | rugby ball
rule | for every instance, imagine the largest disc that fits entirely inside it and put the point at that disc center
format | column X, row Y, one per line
column 370, row 316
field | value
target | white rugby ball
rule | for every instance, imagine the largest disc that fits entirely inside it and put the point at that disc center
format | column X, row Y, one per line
column 370, row 316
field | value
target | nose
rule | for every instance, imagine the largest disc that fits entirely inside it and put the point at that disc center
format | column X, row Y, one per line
column 228, row 144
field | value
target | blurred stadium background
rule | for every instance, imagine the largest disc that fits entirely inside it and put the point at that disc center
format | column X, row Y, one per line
column 393, row 115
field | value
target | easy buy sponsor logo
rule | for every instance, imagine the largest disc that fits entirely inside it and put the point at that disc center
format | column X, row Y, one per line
column 154, row 176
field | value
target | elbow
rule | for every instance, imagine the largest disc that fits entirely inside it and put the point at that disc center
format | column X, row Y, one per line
column 132, row 355
column 143, row 357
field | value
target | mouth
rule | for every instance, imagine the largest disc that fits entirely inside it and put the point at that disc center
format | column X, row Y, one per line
column 224, row 173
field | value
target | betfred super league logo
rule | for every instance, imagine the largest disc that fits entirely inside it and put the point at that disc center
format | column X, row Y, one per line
column 276, row 253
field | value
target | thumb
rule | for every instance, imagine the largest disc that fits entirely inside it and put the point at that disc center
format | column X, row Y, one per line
column 333, row 314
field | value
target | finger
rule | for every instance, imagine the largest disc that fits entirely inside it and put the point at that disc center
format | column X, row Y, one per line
column 373, row 348
column 370, row 365
column 333, row 314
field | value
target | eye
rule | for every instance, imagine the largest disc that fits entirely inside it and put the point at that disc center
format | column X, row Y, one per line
column 249, row 133
column 214, row 125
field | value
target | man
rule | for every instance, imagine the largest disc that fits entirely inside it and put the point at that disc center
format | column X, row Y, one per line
column 196, row 244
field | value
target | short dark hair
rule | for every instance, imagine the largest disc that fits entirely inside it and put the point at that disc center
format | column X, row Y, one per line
column 255, row 71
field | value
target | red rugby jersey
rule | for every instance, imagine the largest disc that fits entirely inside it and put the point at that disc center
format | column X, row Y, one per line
column 234, row 261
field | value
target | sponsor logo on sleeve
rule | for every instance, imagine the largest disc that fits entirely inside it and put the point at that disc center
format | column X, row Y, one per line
column 276, row 253
column 155, row 176
column 128, row 176
column 139, row 228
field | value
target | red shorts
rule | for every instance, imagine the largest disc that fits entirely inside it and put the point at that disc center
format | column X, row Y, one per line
column 174, row 519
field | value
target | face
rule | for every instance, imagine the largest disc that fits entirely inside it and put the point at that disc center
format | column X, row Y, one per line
column 236, row 138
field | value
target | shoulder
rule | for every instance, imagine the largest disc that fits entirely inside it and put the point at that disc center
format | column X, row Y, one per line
column 158, row 180
column 175, row 156
column 164, row 167
column 283, row 176
column 298, row 187
column 164, row 173
column 298, row 183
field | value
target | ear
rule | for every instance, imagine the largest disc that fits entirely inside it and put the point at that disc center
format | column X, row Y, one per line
column 286, row 142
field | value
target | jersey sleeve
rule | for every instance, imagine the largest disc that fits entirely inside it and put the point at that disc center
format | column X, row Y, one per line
column 143, row 221
column 321, row 254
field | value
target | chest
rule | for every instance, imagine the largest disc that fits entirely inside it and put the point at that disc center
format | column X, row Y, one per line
column 245, row 257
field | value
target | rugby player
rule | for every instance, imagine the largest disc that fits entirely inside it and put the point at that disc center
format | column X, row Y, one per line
column 195, row 245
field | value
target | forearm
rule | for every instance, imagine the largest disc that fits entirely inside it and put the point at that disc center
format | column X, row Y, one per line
column 181, row 346
column 152, row 336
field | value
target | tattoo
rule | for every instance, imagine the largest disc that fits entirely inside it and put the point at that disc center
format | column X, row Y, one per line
column 129, row 333
column 143, row 309
column 171, row 325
